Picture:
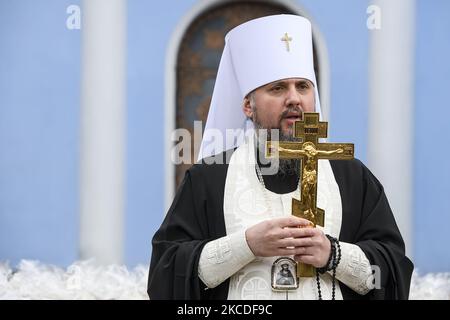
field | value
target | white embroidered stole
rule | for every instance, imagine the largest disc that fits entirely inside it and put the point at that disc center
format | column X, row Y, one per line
column 245, row 204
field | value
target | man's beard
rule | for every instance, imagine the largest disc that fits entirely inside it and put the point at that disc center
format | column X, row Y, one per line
column 286, row 167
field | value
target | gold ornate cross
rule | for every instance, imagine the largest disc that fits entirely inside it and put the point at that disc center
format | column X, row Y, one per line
column 310, row 129
column 286, row 39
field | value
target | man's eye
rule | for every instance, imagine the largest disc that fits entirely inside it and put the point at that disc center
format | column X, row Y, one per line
column 303, row 86
column 277, row 88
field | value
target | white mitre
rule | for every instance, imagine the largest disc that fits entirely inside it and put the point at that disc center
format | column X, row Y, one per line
column 256, row 53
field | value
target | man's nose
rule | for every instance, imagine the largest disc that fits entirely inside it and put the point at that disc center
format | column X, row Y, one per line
column 293, row 97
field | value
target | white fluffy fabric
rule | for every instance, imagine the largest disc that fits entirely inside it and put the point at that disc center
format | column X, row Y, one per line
column 81, row 280
column 86, row 280
column 430, row 287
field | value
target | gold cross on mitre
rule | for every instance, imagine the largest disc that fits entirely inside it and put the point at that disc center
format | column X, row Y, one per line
column 310, row 129
column 286, row 39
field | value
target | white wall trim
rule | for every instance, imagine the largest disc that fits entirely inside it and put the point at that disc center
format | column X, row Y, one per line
column 170, row 77
column 391, row 108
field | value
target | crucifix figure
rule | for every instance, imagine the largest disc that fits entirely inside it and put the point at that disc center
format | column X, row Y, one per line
column 286, row 39
column 310, row 129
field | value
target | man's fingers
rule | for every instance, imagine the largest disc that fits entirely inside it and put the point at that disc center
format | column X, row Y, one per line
column 285, row 252
column 293, row 232
column 303, row 258
column 293, row 221
column 296, row 242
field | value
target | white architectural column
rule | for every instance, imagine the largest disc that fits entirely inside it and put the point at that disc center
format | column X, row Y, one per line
column 103, row 123
column 391, row 108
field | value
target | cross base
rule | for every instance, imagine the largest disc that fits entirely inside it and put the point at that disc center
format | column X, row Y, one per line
column 305, row 270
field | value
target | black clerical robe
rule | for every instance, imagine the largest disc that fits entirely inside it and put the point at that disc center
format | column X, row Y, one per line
column 196, row 217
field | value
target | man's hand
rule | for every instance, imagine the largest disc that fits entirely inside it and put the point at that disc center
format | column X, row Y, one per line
column 289, row 236
column 314, row 248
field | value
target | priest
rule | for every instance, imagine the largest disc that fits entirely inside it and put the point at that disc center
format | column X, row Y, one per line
column 230, row 223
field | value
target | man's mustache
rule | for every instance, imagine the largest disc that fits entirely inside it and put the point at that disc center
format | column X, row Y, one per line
column 289, row 110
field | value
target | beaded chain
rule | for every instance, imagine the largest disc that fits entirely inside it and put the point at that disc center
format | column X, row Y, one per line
column 332, row 263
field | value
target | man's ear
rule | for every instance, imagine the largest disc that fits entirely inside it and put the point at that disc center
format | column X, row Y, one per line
column 247, row 108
